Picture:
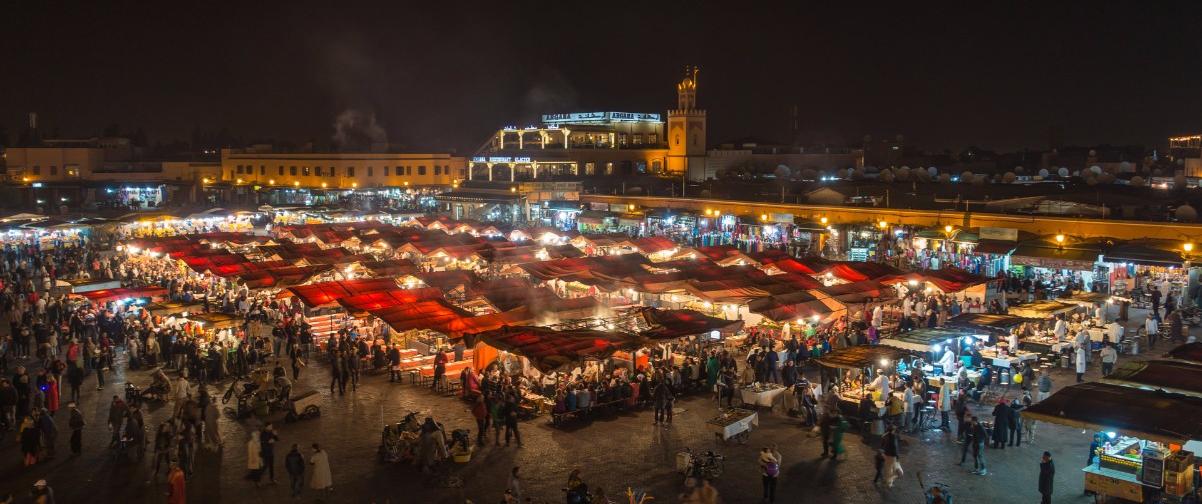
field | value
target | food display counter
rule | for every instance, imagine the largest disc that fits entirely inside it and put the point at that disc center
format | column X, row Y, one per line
column 1007, row 359
column 762, row 394
column 1127, row 468
column 733, row 422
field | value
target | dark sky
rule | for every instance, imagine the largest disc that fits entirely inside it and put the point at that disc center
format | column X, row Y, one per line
column 440, row 75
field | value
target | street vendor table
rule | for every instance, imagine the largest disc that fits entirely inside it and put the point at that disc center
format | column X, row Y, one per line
column 768, row 395
column 733, row 422
column 1008, row 361
column 1111, row 483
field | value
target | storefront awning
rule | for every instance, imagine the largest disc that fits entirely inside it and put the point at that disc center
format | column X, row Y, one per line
column 1146, row 252
column 670, row 324
column 1081, row 259
column 1148, row 414
column 1178, row 377
column 862, row 357
column 925, row 340
column 987, row 322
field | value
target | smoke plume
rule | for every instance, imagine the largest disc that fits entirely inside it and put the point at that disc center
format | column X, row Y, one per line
column 357, row 130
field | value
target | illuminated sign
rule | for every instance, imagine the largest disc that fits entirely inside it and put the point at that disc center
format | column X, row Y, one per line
column 599, row 117
column 500, row 159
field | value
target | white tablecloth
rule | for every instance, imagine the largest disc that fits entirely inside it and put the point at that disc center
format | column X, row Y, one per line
column 742, row 425
column 763, row 398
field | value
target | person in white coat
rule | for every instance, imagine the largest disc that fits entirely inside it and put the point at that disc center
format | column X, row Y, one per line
column 320, row 478
column 254, row 457
column 1082, row 359
column 945, row 405
column 1061, row 329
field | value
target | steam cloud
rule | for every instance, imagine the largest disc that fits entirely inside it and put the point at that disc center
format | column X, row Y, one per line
column 357, row 130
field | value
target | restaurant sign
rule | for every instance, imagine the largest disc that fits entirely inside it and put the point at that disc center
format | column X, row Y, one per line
column 1054, row 263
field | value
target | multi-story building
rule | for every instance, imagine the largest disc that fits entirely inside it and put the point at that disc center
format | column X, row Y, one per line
column 342, row 170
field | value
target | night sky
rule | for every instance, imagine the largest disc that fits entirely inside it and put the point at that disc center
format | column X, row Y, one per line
column 444, row 77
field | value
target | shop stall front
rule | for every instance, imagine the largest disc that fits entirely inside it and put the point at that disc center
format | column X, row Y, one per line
column 1140, row 435
column 852, row 374
column 1136, row 266
column 1059, row 264
column 946, row 350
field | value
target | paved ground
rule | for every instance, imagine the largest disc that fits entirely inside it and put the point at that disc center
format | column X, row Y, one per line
column 613, row 453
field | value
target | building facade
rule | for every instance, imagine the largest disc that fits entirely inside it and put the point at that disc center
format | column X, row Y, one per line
column 686, row 132
column 262, row 167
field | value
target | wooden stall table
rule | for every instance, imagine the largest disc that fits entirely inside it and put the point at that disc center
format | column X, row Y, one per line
column 427, row 371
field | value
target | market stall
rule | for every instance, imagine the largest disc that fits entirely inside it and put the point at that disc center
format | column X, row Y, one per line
column 851, row 374
column 1139, row 435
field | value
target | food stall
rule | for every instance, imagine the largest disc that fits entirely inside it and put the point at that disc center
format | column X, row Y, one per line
column 851, row 369
column 1142, row 417
column 1042, row 309
column 947, row 349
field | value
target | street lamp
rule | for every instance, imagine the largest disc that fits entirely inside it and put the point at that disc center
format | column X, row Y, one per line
column 1188, row 247
column 883, row 224
column 823, row 220
column 1060, row 239
column 948, row 229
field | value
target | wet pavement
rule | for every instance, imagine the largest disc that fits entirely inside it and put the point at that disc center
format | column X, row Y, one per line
column 613, row 453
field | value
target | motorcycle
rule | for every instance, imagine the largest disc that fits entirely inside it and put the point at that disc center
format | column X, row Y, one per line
column 707, row 466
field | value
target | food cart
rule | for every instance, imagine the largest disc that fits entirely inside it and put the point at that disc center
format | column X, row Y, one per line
column 734, row 423
column 1143, row 416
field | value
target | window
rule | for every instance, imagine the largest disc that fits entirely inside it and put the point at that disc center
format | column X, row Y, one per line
column 350, row 171
column 421, row 169
column 385, row 171
column 652, row 138
column 305, row 171
column 333, row 172
column 238, row 169
column 281, row 169
column 53, row 170
column 292, row 170
column 408, row 170
column 678, row 139
column 437, row 169
column 369, row 170
column 316, row 171
column 262, row 170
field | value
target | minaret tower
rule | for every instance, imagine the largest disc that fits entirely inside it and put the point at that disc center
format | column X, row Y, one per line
column 686, row 131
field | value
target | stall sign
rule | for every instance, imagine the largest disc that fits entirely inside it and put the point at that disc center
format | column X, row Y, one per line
column 1052, row 263
column 783, row 218
column 1000, row 234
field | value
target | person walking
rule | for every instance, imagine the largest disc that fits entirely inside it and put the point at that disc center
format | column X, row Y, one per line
column 770, row 460
column 212, row 435
column 267, row 440
column 1047, row 475
column 254, row 458
column 945, row 405
column 513, row 487
column 176, row 485
column 480, row 413
column 510, row 411
column 838, row 427
column 889, row 447
column 76, row 423
column 440, row 368
column 979, row 439
column 1109, row 356
column 294, row 463
column 320, row 479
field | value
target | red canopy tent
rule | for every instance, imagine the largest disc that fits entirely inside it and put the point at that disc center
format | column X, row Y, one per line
column 324, row 293
column 106, row 295
column 385, row 299
column 670, row 324
column 548, row 349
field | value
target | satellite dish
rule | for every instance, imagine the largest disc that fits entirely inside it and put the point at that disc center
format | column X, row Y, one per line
column 1097, row 170
column 932, row 171
column 1043, row 172
column 1063, row 172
